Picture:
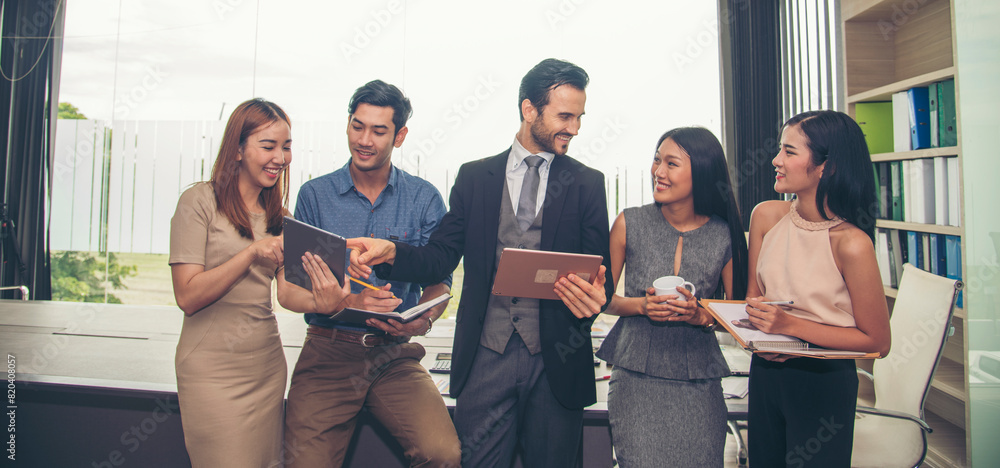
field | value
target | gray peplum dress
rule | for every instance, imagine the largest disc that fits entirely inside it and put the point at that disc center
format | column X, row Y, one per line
column 665, row 403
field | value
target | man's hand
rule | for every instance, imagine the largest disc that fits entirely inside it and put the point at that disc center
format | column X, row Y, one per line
column 582, row 298
column 375, row 301
column 367, row 251
column 417, row 327
column 326, row 292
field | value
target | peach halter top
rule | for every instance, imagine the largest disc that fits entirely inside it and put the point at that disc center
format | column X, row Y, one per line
column 796, row 264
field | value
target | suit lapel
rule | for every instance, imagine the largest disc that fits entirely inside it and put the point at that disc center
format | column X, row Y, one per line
column 555, row 198
column 494, row 186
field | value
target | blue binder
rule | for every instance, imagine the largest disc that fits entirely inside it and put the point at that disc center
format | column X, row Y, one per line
column 920, row 117
column 915, row 248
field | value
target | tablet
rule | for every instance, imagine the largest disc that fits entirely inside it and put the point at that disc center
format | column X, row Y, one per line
column 301, row 238
column 533, row 273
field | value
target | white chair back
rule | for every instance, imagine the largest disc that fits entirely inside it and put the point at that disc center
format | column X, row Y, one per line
column 921, row 319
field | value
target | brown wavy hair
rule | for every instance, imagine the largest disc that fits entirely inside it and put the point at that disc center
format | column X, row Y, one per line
column 248, row 118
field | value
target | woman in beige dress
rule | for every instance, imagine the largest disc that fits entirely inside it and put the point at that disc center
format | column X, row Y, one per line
column 225, row 248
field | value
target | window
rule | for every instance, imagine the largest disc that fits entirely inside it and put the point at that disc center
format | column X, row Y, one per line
column 157, row 80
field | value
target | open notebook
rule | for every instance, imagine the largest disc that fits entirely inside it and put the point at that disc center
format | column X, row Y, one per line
column 359, row 316
column 729, row 313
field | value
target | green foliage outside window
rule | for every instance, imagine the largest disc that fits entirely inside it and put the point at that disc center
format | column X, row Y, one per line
column 80, row 277
column 69, row 111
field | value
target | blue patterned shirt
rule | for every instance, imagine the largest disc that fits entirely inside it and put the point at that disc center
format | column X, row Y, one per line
column 408, row 210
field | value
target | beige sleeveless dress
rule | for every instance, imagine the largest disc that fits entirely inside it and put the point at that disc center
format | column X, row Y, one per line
column 230, row 365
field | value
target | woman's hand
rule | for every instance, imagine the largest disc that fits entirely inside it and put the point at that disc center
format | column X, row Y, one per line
column 776, row 357
column 670, row 307
column 686, row 309
column 326, row 292
column 769, row 318
column 272, row 248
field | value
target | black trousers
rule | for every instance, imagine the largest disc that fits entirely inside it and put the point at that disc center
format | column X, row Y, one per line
column 802, row 412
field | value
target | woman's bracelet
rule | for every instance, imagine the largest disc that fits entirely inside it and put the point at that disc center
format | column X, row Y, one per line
column 710, row 326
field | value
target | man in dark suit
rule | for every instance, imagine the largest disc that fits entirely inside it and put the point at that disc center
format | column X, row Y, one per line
column 522, row 368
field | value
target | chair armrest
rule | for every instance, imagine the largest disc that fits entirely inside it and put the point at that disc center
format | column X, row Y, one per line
column 895, row 414
column 865, row 374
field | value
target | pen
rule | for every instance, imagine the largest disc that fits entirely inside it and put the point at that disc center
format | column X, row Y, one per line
column 775, row 302
column 606, row 377
column 367, row 285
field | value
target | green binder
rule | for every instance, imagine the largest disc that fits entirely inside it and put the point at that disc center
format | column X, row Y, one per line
column 875, row 120
column 947, row 121
column 896, row 186
column 932, row 95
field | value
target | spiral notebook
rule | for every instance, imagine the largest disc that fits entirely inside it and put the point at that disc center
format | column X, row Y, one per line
column 730, row 313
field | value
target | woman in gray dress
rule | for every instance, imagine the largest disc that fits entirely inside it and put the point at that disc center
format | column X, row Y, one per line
column 665, row 403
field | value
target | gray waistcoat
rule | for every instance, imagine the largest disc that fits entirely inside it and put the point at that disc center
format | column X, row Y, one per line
column 504, row 314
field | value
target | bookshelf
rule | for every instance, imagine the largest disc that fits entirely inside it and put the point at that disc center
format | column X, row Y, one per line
column 891, row 46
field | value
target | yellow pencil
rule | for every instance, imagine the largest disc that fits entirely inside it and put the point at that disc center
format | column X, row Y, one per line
column 367, row 285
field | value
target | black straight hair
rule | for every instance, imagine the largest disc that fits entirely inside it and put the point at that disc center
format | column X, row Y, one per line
column 713, row 192
column 847, row 186
column 549, row 74
column 381, row 94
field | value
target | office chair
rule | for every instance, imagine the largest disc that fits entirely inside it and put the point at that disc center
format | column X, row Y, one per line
column 893, row 433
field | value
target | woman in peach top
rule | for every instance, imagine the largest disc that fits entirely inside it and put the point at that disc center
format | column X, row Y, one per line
column 816, row 250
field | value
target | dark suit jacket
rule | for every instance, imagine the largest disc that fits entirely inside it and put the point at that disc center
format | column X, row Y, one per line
column 574, row 219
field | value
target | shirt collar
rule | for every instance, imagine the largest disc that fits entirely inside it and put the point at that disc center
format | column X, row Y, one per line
column 343, row 183
column 518, row 153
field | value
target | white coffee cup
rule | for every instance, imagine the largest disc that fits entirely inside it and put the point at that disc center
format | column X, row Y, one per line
column 668, row 285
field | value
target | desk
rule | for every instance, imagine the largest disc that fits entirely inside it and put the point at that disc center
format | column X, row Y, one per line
column 96, row 387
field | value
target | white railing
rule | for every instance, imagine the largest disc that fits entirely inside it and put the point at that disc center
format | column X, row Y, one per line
column 115, row 184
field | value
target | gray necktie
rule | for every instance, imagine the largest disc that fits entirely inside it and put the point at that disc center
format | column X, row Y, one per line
column 529, row 192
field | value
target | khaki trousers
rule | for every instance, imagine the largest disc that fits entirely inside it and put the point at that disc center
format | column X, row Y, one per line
column 334, row 380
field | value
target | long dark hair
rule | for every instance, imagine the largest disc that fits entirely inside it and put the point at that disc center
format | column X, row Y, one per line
column 847, row 185
column 713, row 192
column 248, row 117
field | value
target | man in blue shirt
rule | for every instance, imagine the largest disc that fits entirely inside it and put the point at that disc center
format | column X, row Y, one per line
column 343, row 368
